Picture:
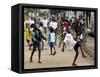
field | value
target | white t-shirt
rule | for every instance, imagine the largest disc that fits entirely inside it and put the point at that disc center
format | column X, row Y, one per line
column 80, row 37
column 69, row 39
column 81, row 21
column 52, row 37
column 31, row 22
column 73, row 20
column 53, row 25
column 41, row 20
column 45, row 23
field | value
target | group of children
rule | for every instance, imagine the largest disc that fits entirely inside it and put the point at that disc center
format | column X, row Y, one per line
column 35, row 36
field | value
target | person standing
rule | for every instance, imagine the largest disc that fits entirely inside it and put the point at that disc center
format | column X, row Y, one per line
column 66, row 24
column 45, row 24
column 59, row 23
column 53, row 24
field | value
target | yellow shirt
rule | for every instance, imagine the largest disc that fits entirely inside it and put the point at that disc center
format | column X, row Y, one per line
column 27, row 34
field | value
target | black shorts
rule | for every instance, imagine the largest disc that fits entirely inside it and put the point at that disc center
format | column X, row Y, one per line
column 36, row 45
column 77, row 45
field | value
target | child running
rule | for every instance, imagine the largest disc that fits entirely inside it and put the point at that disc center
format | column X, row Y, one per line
column 74, row 44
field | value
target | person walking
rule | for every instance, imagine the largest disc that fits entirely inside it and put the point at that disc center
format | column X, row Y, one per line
column 51, row 41
column 37, row 37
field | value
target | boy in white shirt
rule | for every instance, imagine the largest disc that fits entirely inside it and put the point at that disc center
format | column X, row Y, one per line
column 45, row 24
column 53, row 25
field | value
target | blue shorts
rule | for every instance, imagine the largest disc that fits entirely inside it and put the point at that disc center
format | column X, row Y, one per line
column 52, row 44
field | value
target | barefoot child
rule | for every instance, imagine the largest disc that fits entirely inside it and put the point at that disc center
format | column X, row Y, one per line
column 43, row 32
column 37, row 37
column 51, row 41
column 74, row 44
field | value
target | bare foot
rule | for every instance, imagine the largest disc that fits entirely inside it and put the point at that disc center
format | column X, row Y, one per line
column 54, row 53
column 39, row 62
column 30, row 48
column 74, row 65
column 31, row 61
column 62, row 50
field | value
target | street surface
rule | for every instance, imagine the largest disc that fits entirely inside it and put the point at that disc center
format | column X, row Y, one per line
column 61, row 59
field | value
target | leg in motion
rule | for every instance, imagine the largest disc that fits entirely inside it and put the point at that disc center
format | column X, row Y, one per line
column 83, row 55
column 54, row 51
column 51, row 50
column 34, row 49
column 76, row 55
column 39, row 55
column 63, row 47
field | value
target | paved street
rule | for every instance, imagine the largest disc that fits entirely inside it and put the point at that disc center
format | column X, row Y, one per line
column 61, row 59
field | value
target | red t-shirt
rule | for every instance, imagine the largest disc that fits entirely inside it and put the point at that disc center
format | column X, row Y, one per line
column 66, row 24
